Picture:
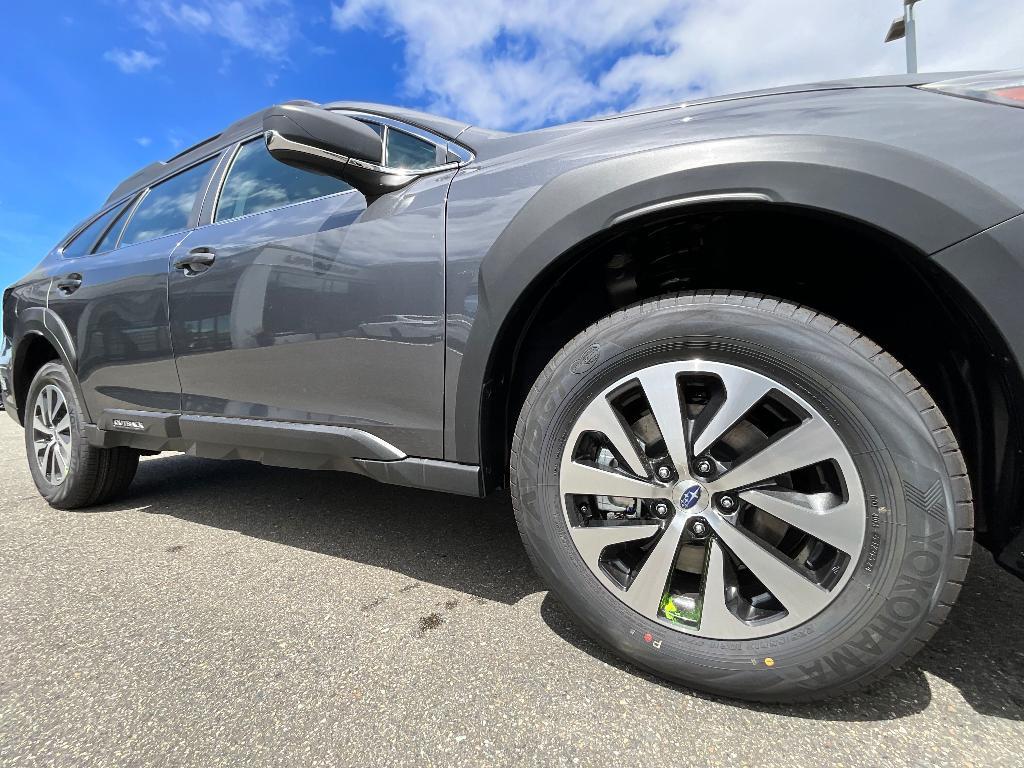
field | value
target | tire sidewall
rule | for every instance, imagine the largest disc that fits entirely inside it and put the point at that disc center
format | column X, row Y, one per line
column 898, row 575
column 57, row 495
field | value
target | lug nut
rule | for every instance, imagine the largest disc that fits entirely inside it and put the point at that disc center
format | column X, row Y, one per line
column 704, row 467
column 661, row 509
column 699, row 528
column 727, row 503
column 664, row 473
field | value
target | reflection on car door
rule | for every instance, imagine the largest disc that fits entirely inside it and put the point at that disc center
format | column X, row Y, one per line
column 316, row 308
column 114, row 304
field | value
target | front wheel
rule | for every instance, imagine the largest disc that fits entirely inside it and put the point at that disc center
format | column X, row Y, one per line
column 742, row 495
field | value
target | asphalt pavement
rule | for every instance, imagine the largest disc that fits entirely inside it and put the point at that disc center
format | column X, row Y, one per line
column 227, row 613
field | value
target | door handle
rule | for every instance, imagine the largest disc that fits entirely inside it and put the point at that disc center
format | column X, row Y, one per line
column 70, row 284
column 196, row 261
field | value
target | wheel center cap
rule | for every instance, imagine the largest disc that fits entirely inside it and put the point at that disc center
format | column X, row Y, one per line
column 694, row 498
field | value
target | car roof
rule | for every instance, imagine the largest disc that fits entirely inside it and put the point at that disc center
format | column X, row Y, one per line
column 442, row 126
column 450, row 128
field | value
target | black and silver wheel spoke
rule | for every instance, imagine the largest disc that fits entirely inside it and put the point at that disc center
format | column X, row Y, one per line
column 743, row 390
column 840, row 526
column 661, row 388
column 600, row 417
column 716, row 620
column 811, row 442
column 731, row 509
column 592, row 540
column 590, row 479
column 799, row 595
column 648, row 586
column 51, row 434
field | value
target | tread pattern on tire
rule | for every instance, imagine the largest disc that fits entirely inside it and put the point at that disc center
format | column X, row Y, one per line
column 121, row 465
column 942, row 435
column 101, row 474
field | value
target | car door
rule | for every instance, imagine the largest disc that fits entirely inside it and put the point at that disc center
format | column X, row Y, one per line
column 311, row 306
column 111, row 294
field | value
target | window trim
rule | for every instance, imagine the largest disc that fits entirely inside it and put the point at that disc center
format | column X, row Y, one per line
column 464, row 154
column 131, row 215
column 126, row 213
column 431, row 138
column 213, row 183
column 224, row 174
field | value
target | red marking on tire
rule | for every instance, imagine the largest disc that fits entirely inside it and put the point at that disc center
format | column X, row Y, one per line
column 648, row 637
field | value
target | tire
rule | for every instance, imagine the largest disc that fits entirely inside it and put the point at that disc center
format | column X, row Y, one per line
column 893, row 471
column 78, row 474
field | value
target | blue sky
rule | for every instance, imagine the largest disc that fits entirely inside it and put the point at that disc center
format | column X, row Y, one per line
column 77, row 122
column 91, row 91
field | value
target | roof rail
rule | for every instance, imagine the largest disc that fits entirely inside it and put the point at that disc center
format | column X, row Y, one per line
column 246, row 122
column 154, row 171
column 197, row 145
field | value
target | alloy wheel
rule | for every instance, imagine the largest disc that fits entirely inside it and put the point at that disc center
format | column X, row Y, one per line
column 51, row 434
column 712, row 499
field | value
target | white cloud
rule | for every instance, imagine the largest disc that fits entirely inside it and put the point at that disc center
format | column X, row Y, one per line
column 196, row 17
column 143, row 141
column 538, row 61
column 131, row 62
column 264, row 27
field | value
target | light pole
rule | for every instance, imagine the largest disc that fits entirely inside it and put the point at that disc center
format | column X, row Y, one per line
column 906, row 28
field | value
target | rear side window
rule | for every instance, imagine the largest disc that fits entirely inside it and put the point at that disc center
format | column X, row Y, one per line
column 109, row 241
column 84, row 242
column 167, row 207
column 258, row 182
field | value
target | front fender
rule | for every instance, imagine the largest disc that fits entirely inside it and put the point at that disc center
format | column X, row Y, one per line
column 926, row 204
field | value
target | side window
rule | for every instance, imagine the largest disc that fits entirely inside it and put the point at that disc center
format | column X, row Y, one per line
column 85, row 240
column 257, row 182
column 167, row 207
column 109, row 241
column 406, row 151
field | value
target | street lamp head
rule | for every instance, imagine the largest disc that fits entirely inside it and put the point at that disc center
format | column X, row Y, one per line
column 905, row 29
column 897, row 30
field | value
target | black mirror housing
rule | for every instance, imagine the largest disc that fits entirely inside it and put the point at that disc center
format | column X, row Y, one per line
column 326, row 142
column 325, row 130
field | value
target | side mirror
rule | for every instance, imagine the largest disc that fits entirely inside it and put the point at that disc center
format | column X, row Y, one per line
column 326, row 142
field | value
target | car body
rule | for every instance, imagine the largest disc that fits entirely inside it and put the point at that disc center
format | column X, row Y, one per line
column 397, row 333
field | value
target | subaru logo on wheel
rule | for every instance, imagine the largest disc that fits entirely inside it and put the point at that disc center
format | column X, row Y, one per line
column 691, row 496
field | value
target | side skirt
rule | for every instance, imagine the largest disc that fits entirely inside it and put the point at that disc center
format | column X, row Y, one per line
column 282, row 444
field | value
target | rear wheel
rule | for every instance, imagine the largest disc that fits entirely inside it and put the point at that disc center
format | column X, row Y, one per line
column 68, row 471
column 742, row 495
